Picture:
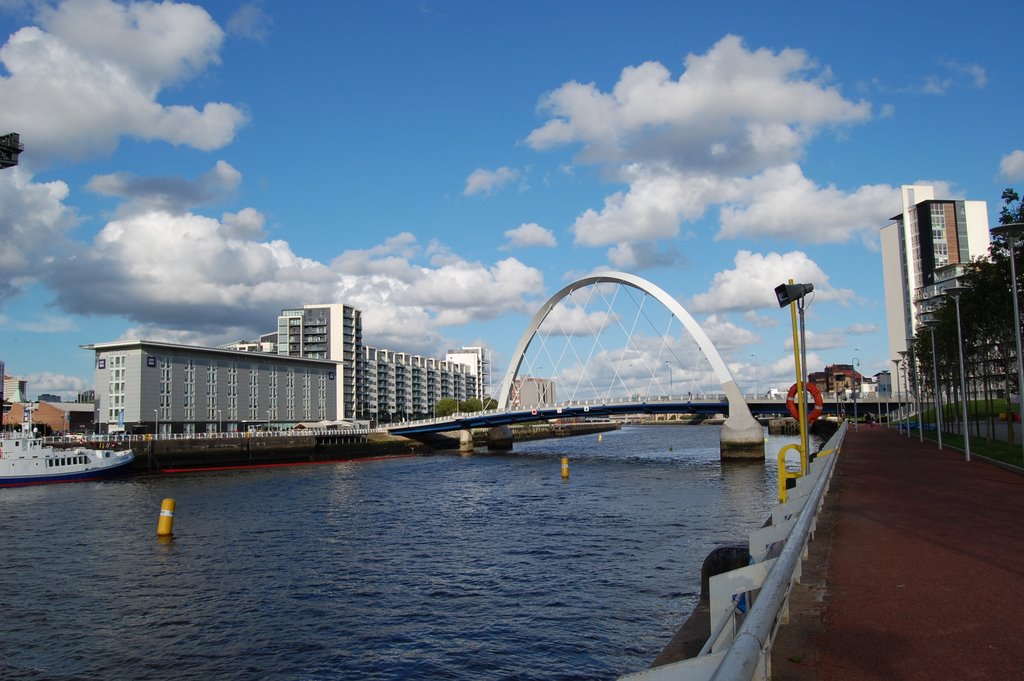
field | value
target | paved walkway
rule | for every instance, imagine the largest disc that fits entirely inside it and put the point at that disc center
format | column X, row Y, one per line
column 916, row 571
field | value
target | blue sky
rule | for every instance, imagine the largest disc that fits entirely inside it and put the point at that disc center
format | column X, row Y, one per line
column 191, row 169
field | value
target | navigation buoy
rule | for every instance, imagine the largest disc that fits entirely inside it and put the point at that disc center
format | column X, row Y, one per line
column 165, row 525
column 600, row 436
column 565, row 468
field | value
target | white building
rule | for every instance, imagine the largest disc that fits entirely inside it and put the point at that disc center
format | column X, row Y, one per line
column 479, row 363
column 923, row 252
column 398, row 386
column 147, row 386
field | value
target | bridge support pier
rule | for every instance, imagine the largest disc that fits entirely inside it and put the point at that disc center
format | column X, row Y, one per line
column 742, row 436
column 465, row 441
column 499, row 438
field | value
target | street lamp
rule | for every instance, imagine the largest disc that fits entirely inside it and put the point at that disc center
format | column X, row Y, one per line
column 757, row 380
column 914, row 386
column 792, row 295
column 156, row 423
column 956, row 292
column 856, row 363
column 899, row 406
column 930, row 323
column 671, row 379
column 906, row 379
column 220, row 422
column 1011, row 231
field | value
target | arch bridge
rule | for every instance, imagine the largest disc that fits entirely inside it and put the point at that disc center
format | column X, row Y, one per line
column 614, row 343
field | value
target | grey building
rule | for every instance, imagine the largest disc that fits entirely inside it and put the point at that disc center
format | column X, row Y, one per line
column 147, row 386
column 330, row 331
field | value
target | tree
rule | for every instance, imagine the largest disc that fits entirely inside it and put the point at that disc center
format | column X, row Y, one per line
column 446, row 406
column 1013, row 209
column 472, row 404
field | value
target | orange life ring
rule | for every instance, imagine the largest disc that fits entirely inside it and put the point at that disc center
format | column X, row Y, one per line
column 794, row 408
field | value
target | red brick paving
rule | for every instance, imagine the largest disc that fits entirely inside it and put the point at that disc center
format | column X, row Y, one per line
column 925, row 579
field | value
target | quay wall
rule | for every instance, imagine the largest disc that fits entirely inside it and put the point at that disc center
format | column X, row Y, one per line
column 160, row 455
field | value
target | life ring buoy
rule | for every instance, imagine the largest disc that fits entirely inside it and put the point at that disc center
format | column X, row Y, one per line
column 794, row 408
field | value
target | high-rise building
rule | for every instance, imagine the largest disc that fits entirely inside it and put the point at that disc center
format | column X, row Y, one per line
column 333, row 331
column 476, row 358
column 924, row 250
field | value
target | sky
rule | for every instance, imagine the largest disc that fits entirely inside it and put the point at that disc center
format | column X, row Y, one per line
column 192, row 169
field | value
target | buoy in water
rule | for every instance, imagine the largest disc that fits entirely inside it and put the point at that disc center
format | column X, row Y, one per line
column 600, row 436
column 565, row 468
column 165, row 526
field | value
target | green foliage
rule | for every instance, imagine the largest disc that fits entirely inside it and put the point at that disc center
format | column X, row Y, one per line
column 446, row 406
column 1013, row 209
column 472, row 404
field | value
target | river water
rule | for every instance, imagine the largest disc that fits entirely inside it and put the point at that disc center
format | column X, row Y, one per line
column 438, row 567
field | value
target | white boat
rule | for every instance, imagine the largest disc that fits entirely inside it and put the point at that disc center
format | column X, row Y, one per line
column 26, row 460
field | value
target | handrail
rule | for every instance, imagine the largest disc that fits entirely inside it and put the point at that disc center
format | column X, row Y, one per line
column 748, row 655
column 744, row 655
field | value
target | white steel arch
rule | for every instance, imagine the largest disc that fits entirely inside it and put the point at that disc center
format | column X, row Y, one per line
column 740, row 418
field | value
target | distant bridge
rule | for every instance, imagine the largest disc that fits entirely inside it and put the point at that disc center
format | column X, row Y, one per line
column 594, row 410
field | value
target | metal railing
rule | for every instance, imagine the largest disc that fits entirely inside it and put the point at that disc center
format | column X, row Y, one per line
column 747, row 605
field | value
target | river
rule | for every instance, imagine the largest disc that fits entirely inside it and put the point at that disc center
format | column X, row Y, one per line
column 436, row 567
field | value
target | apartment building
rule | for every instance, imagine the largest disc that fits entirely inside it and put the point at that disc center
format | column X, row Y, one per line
column 326, row 331
column 924, row 250
column 399, row 386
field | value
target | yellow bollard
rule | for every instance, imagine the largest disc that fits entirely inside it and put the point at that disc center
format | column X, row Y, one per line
column 565, row 468
column 165, row 526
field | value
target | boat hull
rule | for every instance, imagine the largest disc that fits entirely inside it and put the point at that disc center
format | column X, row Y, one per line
column 120, row 468
column 28, row 461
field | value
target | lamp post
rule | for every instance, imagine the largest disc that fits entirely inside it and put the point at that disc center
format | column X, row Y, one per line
column 914, row 386
column 856, row 363
column 1011, row 231
column 793, row 295
column 935, row 383
column 956, row 292
column 220, row 422
column 757, row 380
column 156, row 423
column 896, row 394
column 906, row 384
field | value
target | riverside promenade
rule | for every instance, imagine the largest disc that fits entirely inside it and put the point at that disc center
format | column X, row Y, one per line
column 916, row 570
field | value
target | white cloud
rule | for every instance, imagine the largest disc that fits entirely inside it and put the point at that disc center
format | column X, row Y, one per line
column 180, row 275
column 66, row 386
column 530, row 234
column 726, row 336
column 629, row 255
column 483, row 181
column 659, row 197
column 1011, row 166
column 173, row 194
column 752, row 283
column 34, row 223
column 93, row 70
column 250, row 21
column 732, row 110
column 728, row 131
column 824, row 214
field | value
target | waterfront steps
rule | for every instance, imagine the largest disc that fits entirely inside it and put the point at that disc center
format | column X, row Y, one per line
column 916, row 570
